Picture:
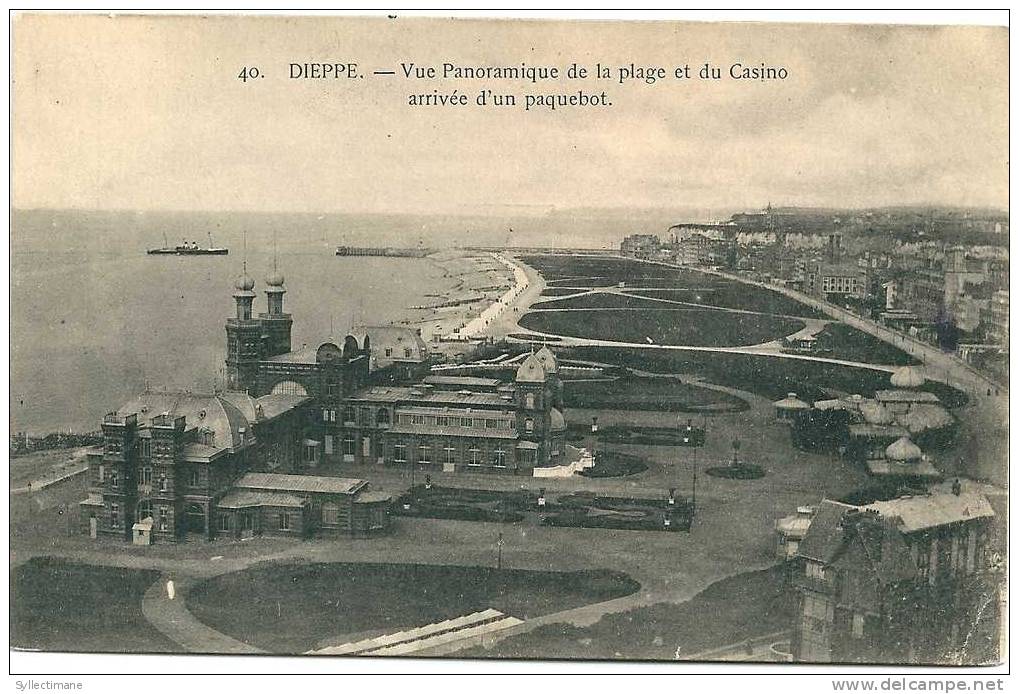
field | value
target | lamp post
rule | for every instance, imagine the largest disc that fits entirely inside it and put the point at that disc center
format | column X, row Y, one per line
column 499, row 543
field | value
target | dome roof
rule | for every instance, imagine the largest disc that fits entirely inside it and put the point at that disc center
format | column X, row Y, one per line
column 531, row 370
column 908, row 377
column 244, row 283
column 903, row 450
column 275, row 279
column 558, row 422
column 547, row 359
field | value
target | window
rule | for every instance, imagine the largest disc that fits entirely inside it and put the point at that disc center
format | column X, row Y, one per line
column 389, row 351
column 102, row 473
column 164, row 521
column 366, row 416
column 332, row 415
column 406, row 352
column 529, row 401
column 424, row 453
column 330, row 513
column 146, row 448
column 310, row 454
column 491, row 423
column 382, row 417
column 349, row 415
column 466, row 422
column 162, row 481
column 500, row 457
column 224, row 522
column 114, row 515
column 114, row 478
column 529, row 425
column 857, row 626
column 474, row 456
column 815, row 570
column 195, row 476
column 399, row 453
column 450, row 454
column 146, row 475
column 325, row 415
column 348, row 445
column 284, row 521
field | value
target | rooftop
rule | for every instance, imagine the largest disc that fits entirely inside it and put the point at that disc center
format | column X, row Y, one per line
column 300, row 483
column 246, row 498
column 917, row 513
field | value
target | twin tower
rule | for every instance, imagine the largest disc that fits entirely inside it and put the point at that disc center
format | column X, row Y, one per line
column 250, row 340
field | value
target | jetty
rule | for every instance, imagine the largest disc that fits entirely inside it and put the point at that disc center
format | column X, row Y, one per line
column 383, row 251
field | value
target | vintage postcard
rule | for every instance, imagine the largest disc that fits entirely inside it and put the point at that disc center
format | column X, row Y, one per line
column 507, row 338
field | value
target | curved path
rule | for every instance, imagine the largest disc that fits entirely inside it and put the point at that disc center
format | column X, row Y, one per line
column 173, row 619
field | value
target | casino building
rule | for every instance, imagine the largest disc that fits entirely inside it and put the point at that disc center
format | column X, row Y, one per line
column 241, row 462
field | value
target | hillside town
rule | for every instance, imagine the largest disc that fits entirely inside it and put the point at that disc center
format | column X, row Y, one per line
column 936, row 275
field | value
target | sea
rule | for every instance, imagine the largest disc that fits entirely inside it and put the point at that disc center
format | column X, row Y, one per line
column 94, row 319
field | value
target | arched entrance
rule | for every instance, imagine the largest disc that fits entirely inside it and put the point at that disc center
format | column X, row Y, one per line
column 194, row 519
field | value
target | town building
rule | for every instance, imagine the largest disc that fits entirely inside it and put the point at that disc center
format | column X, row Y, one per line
column 641, row 245
column 184, row 464
column 898, row 581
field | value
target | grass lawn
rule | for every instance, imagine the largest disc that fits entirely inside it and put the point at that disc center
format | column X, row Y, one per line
column 294, row 608
column 642, row 393
column 728, row 611
column 855, row 345
column 693, row 327
column 729, row 294
column 770, row 377
column 57, row 605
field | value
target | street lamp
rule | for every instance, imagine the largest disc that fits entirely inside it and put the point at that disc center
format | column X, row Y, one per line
column 499, row 543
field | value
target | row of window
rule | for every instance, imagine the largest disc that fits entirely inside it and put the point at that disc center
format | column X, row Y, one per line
column 143, row 511
column 195, row 478
column 454, row 421
column 350, row 416
column 448, row 455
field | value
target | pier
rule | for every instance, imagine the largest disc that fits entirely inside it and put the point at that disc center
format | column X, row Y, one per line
column 383, row 251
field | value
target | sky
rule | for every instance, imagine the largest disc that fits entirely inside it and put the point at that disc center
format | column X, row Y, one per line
column 147, row 113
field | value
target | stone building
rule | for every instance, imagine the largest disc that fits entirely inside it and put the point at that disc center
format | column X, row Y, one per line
column 898, row 581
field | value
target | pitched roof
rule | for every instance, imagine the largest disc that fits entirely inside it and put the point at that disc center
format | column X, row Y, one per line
column 300, row 483
column 915, row 513
column 531, row 370
column 824, row 537
column 246, row 498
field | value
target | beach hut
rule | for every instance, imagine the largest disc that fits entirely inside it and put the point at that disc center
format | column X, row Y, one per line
column 787, row 407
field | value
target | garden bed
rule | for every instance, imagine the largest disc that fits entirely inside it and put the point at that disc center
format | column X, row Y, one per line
column 615, row 464
column 649, row 393
column 640, row 435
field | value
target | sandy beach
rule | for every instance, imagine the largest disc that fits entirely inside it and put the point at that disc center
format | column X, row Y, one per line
column 486, row 292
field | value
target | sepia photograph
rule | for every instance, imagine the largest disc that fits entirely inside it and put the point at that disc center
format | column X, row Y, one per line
column 508, row 341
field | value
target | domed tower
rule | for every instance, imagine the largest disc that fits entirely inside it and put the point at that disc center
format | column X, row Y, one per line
column 533, row 412
column 553, row 383
column 243, row 338
column 276, row 324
